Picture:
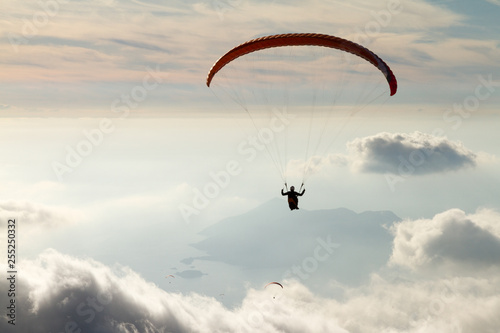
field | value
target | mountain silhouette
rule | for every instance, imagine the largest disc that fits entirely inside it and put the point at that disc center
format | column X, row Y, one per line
column 337, row 243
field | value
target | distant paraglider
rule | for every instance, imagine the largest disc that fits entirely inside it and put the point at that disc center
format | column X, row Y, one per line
column 274, row 288
column 276, row 283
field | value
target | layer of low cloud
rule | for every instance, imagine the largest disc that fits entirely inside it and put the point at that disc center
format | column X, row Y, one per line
column 451, row 242
column 63, row 293
column 416, row 153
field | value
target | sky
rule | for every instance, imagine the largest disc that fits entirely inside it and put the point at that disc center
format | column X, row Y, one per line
column 145, row 201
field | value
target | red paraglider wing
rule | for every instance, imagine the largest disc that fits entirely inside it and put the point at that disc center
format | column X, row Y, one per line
column 279, row 284
column 303, row 39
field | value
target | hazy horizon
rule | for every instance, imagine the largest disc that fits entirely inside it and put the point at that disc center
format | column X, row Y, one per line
column 146, row 201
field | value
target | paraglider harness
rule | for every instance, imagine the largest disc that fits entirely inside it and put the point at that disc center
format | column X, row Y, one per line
column 293, row 199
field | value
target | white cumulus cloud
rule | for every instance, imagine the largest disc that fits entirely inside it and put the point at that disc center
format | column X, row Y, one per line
column 403, row 154
column 414, row 153
column 450, row 242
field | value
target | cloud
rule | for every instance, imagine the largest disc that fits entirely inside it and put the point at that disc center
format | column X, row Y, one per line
column 192, row 33
column 415, row 153
column 136, row 44
column 37, row 215
column 74, row 52
column 63, row 293
column 451, row 241
column 438, row 305
column 403, row 154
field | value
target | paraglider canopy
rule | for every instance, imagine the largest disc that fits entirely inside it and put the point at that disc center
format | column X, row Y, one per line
column 303, row 39
column 276, row 283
